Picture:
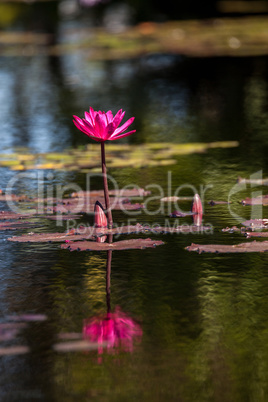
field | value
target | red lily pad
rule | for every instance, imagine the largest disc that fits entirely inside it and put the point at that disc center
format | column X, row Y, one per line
column 250, row 247
column 260, row 182
column 262, row 200
column 48, row 237
column 179, row 214
column 16, row 225
column 212, row 202
column 13, row 215
column 81, row 233
column 233, row 229
column 74, row 207
column 174, row 199
column 119, row 245
column 27, row 317
column 14, row 350
column 77, row 346
column 256, row 234
column 14, row 197
column 9, row 330
column 61, row 217
column 133, row 192
column 256, row 223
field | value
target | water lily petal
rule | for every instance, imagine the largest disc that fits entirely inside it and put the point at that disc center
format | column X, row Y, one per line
column 92, row 113
column 89, row 118
column 100, row 125
column 80, row 126
column 118, row 118
column 124, row 127
column 110, row 129
column 112, row 138
column 109, row 116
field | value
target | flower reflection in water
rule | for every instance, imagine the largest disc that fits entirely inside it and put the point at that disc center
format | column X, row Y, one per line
column 116, row 329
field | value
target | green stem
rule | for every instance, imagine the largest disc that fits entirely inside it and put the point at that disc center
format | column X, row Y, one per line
column 105, row 187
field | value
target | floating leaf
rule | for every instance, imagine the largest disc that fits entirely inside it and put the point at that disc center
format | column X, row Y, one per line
column 76, row 346
column 256, row 234
column 70, row 335
column 233, row 229
column 16, row 225
column 250, row 247
column 174, row 198
column 179, row 214
column 119, row 245
column 27, row 317
column 9, row 331
column 61, row 217
column 260, row 182
column 4, row 215
column 48, row 237
column 133, row 192
column 212, row 202
column 256, row 223
column 14, row 350
column 261, row 200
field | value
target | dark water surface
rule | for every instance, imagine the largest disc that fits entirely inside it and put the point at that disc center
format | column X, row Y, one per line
column 204, row 318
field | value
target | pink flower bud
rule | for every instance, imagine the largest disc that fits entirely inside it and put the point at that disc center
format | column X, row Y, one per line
column 100, row 219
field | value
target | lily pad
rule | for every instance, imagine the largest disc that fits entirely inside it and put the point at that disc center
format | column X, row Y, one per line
column 262, row 200
column 62, row 217
column 256, row 223
column 212, row 202
column 76, row 346
column 179, row 214
column 4, row 215
column 174, row 199
column 16, row 225
column 250, row 247
column 48, row 237
column 256, row 234
column 14, row 350
column 27, row 317
column 81, row 233
column 119, row 245
column 260, row 182
column 233, row 229
column 134, row 192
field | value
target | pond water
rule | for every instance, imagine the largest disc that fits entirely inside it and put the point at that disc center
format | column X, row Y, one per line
column 196, row 326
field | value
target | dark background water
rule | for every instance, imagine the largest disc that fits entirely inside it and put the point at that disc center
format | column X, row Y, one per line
column 204, row 317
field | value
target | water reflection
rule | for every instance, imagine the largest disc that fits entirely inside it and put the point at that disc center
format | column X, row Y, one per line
column 229, row 358
column 115, row 329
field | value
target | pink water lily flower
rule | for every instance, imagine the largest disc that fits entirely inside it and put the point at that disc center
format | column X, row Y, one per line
column 101, row 126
